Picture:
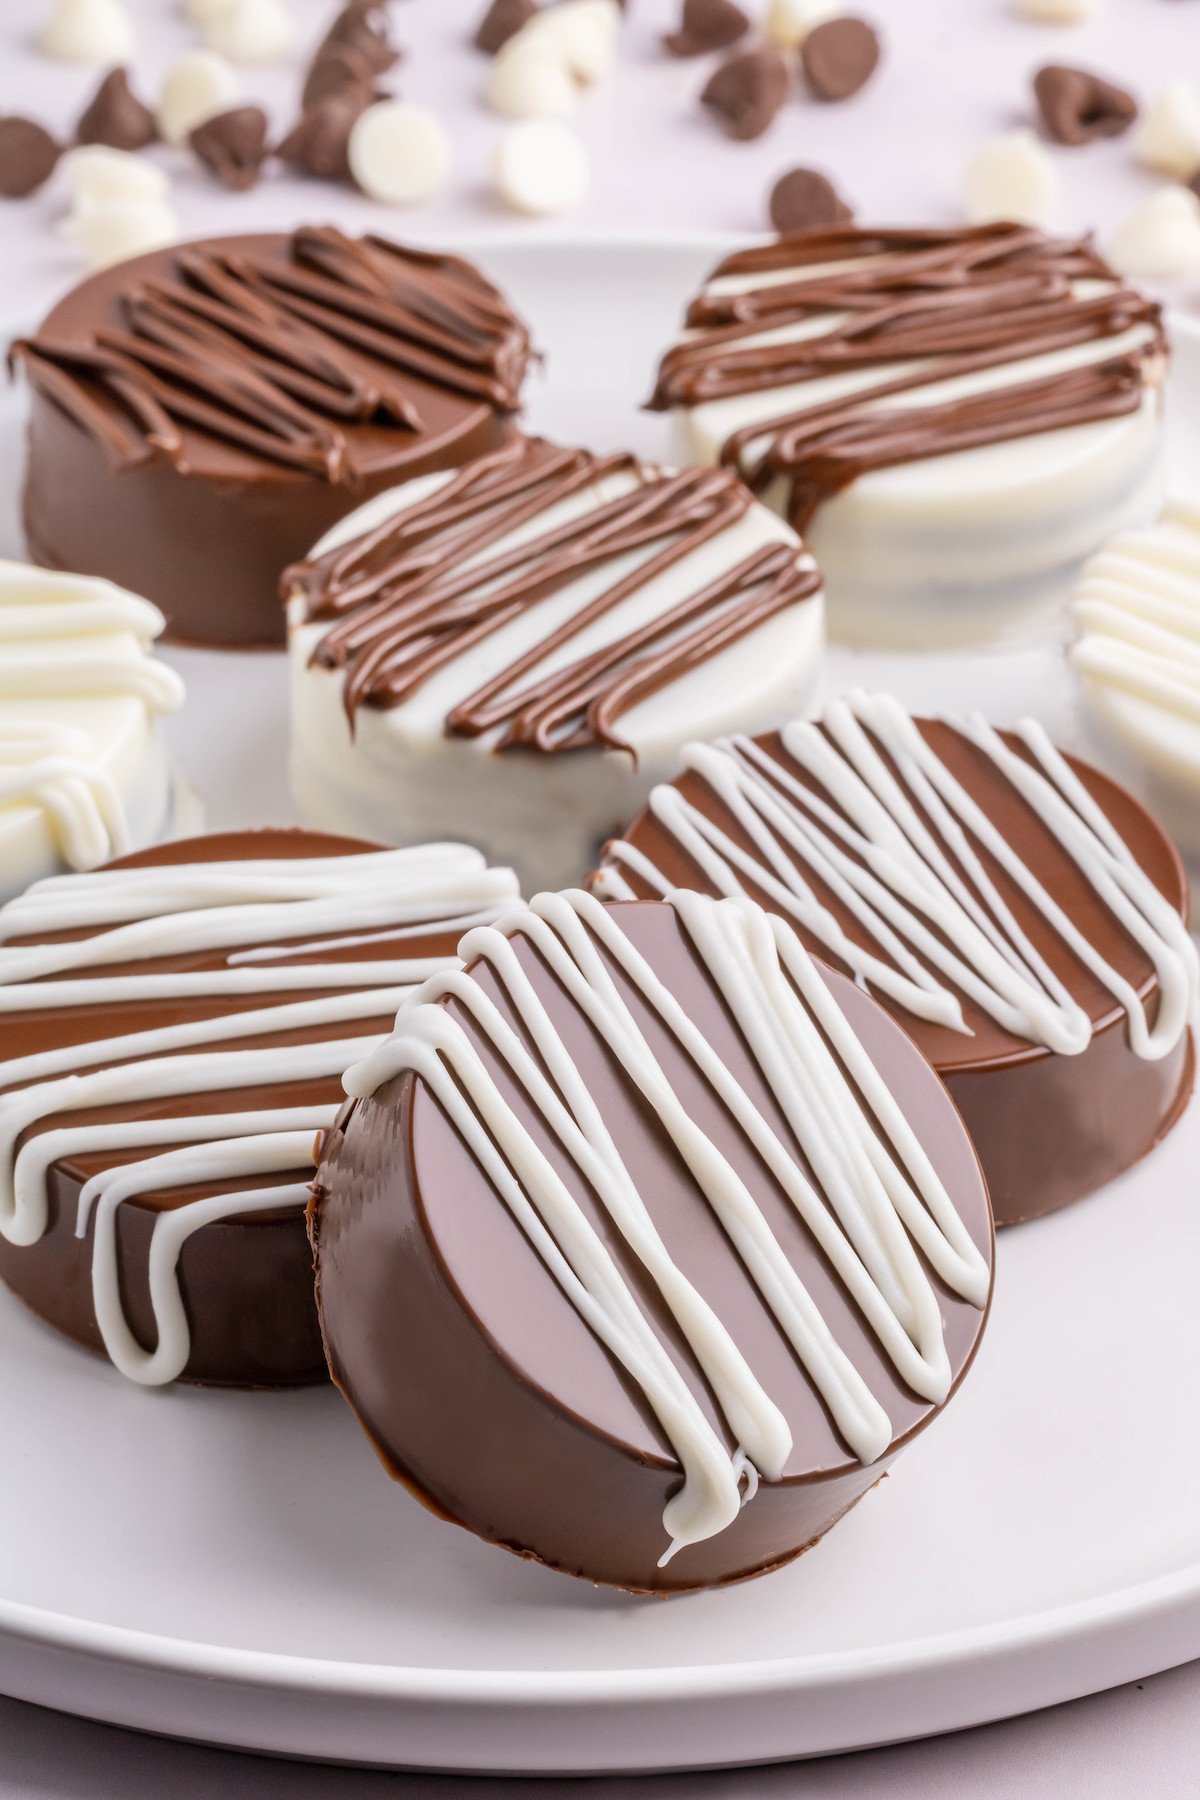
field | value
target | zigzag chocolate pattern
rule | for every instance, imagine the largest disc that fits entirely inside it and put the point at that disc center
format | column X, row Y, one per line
column 271, row 354
column 922, row 307
column 415, row 592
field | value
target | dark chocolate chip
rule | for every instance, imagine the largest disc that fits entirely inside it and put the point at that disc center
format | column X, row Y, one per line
column 803, row 198
column 747, row 91
column 233, row 145
column 707, row 25
column 502, row 20
column 116, row 117
column 28, row 154
column 316, row 144
column 839, row 57
column 1077, row 106
column 337, row 67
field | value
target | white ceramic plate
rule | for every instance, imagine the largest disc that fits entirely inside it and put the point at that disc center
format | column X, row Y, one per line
column 237, row 1568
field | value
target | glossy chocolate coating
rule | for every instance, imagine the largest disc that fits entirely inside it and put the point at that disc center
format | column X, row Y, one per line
column 1049, row 1129
column 207, row 541
column 479, row 1384
column 246, row 1282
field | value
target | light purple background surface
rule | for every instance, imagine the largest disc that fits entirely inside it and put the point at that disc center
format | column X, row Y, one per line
column 954, row 72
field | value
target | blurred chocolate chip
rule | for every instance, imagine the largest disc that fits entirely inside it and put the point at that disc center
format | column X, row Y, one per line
column 338, row 67
column 707, row 25
column 502, row 20
column 747, row 91
column 839, row 57
column 364, row 28
column 316, row 144
column 116, row 117
column 803, row 198
column 233, row 145
column 1077, row 106
column 28, row 154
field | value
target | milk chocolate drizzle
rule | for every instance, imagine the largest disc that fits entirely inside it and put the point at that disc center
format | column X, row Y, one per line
column 276, row 356
column 944, row 303
column 404, row 604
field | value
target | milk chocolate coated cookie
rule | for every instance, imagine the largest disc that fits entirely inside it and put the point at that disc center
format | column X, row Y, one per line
column 1018, row 913
column 201, row 414
column 646, row 1243
column 175, row 1028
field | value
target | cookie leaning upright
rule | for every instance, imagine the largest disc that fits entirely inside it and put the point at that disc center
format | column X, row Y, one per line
column 201, row 413
column 955, row 418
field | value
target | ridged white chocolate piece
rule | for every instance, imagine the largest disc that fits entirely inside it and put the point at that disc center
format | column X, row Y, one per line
column 1137, row 654
column 83, row 774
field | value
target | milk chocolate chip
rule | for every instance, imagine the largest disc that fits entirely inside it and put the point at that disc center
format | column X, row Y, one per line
column 747, row 91
column 502, row 20
column 707, row 25
column 363, row 28
column 839, row 57
column 233, row 146
column 28, row 154
column 803, row 198
column 116, row 117
column 317, row 143
column 339, row 67
column 1076, row 106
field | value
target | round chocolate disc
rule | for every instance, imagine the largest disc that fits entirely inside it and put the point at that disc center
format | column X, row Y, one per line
column 469, row 1363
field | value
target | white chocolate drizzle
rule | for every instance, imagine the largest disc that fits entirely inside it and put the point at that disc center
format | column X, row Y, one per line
column 900, row 848
column 224, row 909
column 875, row 1205
column 68, row 639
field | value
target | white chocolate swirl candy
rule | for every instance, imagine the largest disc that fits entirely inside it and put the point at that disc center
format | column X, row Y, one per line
column 1137, row 654
column 83, row 773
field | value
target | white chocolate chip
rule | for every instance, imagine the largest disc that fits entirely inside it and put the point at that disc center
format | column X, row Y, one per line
column 1056, row 12
column 788, row 22
column 541, row 168
column 197, row 87
column 526, row 81
column 98, row 176
column 112, row 231
column 1169, row 139
column 204, row 12
column 1011, row 177
column 251, row 31
column 582, row 33
column 399, row 154
column 1161, row 239
column 90, row 31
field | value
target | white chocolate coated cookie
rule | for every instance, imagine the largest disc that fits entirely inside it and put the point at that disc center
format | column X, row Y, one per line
column 581, row 619
column 951, row 486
